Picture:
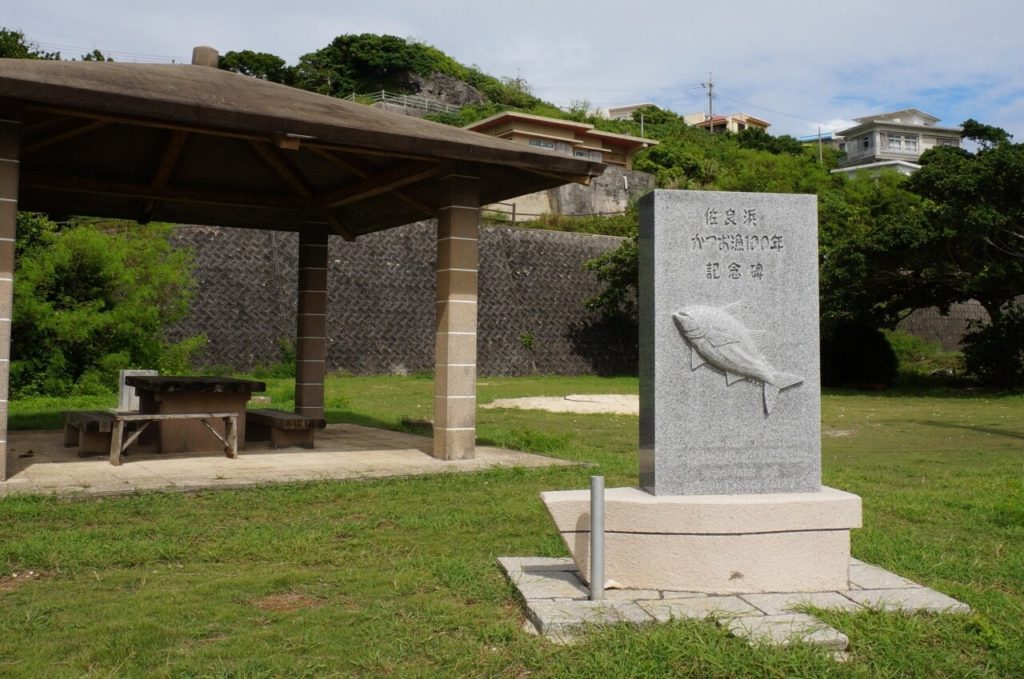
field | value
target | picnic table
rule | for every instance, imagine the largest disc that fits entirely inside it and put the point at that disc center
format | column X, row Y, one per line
column 192, row 395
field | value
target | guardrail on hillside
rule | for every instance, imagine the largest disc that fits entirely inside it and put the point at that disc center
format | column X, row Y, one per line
column 404, row 100
column 507, row 214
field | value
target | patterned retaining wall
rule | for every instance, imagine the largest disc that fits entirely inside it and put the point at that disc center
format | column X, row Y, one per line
column 380, row 314
column 947, row 330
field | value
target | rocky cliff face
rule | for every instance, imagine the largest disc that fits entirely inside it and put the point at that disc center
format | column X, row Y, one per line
column 610, row 193
column 446, row 89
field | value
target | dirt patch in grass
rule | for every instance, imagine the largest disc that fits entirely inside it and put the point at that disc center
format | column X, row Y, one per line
column 15, row 580
column 620, row 404
column 288, row 601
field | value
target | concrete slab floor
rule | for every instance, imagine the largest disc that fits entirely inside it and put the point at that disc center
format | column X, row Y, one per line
column 557, row 604
column 41, row 463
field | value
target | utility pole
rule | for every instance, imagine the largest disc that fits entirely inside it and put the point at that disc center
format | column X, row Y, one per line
column 710, row 87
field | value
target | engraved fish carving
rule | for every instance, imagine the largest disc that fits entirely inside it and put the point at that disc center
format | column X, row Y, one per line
column 721, row 340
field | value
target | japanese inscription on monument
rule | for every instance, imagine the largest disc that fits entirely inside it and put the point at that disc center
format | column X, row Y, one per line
column 735, row 245
column 729, row 343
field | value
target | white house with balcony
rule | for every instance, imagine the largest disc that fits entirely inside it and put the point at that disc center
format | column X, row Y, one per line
column 893, row 140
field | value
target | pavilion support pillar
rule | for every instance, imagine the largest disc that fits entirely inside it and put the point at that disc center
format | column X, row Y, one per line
column 311, row 335
column 458, row 234
column 10, row 135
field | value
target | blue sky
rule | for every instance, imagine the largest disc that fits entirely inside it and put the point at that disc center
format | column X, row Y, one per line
column 796, row 64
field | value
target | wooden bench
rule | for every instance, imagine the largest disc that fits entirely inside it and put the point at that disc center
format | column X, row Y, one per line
column 281, row 428
column 118, row 443
column 104, row 430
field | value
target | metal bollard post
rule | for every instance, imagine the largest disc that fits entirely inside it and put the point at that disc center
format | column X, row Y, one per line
column 596, row 538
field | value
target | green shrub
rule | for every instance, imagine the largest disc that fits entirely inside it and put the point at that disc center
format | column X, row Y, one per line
column 995, row 353
column 284, row 367
column 921, row 358
column 91, row 299
column 857, row 355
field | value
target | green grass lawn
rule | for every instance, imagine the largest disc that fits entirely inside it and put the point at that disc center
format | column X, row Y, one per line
column 397, row 577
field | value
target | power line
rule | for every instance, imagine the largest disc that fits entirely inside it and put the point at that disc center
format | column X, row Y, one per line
column 116, row 54
column 772, row 110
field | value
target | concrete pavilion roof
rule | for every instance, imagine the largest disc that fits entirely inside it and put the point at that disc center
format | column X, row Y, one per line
column 194, row 144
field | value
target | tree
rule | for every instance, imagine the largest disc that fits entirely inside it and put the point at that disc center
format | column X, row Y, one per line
column 619, row 270
column 976, row 204
column 14, row 45
column 260, row 65
column 874, row 251
column 758, row 139
column 92, row 298
column 96, row 55
column 366, row 62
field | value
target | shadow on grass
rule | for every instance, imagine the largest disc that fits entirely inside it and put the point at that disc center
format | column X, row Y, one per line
column 968, row 427
column 49, row 416
column 41, row 420
column 347, row 417
column 922, row 391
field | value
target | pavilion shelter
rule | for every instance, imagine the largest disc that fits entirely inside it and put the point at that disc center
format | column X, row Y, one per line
column 192, row 144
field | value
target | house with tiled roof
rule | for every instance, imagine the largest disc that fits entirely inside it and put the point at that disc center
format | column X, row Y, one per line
column 733, row 122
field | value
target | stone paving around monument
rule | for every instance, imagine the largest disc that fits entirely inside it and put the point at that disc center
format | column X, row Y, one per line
column 558, row 606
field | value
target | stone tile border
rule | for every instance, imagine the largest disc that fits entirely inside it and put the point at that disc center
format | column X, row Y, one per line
column 558, row 607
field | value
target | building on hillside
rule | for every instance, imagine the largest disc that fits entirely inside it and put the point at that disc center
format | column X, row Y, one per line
column 625, row 112
column 893, row 140
column 568, row 137
column 734, row 122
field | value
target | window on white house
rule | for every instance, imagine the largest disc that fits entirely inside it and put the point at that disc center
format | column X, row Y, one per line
column 895, row 142
column 910, row 142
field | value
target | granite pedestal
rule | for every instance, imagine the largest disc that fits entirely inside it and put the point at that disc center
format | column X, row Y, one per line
column 724, row 544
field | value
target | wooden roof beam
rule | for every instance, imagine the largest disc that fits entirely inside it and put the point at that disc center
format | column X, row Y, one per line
column 272, row 157
column 77, row 131
column 340, row 229
column 354, row 168
column 169, row 158
column 34, row 128
column 165, row 193
column 383, row 182
column 409, row 196
column 162, row 176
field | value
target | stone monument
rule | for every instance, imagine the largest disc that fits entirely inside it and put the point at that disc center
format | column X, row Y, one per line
column 730, row 496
